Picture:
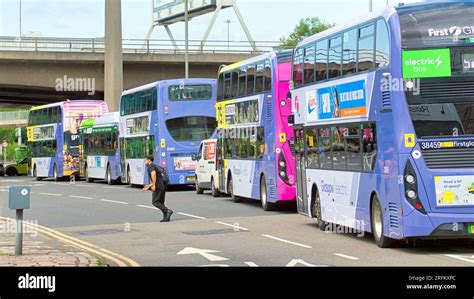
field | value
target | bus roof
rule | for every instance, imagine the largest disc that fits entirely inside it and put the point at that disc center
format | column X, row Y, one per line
column 269, row 55
column 384, row 12
column 170, row 82
column 106, row 119
column 67, row 103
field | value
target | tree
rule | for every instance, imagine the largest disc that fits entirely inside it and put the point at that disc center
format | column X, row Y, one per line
column 305, row 27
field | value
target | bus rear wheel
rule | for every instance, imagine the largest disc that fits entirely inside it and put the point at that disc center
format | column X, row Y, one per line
column 378, row 225
column 199, row 190
column 316, row 210
column 215, row 191
column 11, row 171
column 267, row 206
column 230, row 189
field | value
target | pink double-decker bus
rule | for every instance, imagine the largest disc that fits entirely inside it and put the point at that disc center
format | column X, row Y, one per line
column 254, row 138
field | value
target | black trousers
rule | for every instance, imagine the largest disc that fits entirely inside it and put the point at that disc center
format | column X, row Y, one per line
column 158, row 200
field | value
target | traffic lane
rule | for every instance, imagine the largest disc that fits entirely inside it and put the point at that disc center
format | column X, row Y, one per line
column 185, row 201
column 198, row 243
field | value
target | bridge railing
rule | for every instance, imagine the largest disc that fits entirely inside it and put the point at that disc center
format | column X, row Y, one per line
column 135, row 46
column 14, row 118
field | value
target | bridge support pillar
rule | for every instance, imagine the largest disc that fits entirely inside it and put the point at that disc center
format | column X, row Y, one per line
column 113, row 83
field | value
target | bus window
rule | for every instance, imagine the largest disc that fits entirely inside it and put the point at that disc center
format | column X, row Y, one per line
column 235, row 83
column 227, row 86
column 369, row 147
column 354, row 156
column 335, row 57
column 382, row 49
column 322, row 60
column 220, row 88
column 350, row 52
column 309, row 64
column 366, row 48
column 251, row 79
column 312, row 148
column 324, row 142
column 338, row 148
column 298, row 68
column 259, row 80
column 268, row 76
column 243, row 82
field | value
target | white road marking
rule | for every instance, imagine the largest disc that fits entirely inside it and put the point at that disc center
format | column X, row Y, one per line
column 38, row 185
column 295, row 262
column 251, row 264
column 114, row 201
column 469, row 259
column 205, row 253
column 50, row 194
column 234, row 226
column 286, row 241
column 80, row 197
column 111, row 187
column 147, row 207
column 87, row 186
column 192, row 216
column 347, row 256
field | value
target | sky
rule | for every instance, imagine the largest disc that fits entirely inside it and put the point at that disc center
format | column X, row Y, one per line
column 268, row 20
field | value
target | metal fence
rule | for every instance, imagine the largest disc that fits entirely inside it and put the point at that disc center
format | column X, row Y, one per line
column 134, row 46
column 13, row 118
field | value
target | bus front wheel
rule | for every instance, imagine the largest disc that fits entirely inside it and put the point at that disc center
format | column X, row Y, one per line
column 267, row 206
column 110, row 181
column 55, row 174
column 378, row 225
column 129, row 178
column 88, row 179
column 35, row 174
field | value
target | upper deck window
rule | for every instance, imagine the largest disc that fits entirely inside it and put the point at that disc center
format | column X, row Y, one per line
column 198, row 92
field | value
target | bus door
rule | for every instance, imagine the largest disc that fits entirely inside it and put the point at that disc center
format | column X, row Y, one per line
column 302, row 201
column 220, row 164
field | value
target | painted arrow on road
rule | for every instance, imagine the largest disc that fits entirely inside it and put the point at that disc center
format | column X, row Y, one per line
column 206, row 253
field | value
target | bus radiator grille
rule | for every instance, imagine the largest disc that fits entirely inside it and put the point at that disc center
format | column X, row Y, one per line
column 449, row 158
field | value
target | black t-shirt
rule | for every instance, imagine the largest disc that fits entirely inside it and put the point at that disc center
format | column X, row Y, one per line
column 159, row 177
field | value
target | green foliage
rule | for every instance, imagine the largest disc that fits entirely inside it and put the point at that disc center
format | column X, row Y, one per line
column 306, row 27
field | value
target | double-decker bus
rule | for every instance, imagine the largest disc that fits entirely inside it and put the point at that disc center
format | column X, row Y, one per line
column 100, row 142
column 254, row 138
column 54, row 140
column 384, row 111
column 167, row 120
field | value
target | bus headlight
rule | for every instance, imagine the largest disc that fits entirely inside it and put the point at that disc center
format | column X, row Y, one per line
column 411, row 194
column 410, row 179
column 282, row 170
column 282, row 164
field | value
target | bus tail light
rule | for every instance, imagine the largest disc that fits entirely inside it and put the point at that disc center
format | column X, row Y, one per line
column 282, row 168
column 411, row 188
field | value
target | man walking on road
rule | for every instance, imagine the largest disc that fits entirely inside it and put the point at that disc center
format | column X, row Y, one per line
column 158, row 188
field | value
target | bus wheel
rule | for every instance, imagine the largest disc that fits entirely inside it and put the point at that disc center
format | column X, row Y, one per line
column 88, row 179
column 35, row 174
column 267, row 206
column 378, row 227
column 199, row 190
column 55, row 174
column 215, row 191
column 129, row 178
column 316, row 210
column 109, row 175
column 230, row 189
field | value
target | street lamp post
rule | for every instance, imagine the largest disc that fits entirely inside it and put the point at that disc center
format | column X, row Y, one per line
column 186, row 37
column 20, row 20
column 228, row 21
column 371, row 5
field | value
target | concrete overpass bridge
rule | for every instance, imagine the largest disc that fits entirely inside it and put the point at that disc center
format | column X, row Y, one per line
column 36, row 71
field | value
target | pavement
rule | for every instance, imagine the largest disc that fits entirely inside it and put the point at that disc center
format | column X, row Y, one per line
column 40, row 250
column 120, row 222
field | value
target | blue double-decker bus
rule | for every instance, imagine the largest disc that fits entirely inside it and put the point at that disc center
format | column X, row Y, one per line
column 168, row 120
column 384, row 131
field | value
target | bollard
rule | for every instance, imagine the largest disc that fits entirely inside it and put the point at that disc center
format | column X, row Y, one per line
column 19, row 200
